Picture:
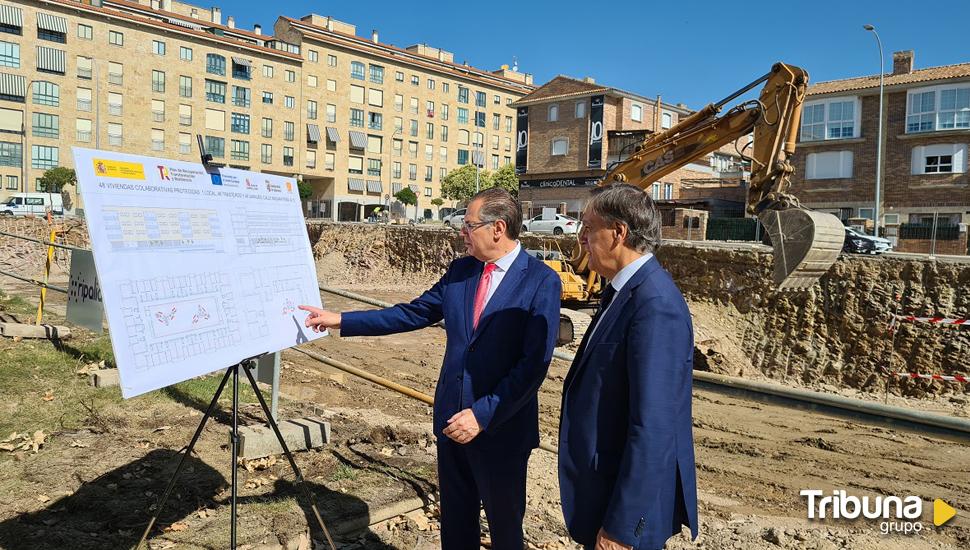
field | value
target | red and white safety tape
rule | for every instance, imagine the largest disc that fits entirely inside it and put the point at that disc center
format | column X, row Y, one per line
column 933, row 320
column 947, row 378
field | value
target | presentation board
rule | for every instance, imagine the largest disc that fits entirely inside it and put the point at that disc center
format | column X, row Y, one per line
column 197, row 270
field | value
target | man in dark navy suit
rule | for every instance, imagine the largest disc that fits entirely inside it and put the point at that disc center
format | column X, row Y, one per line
column 626, row 451
column 501, row 313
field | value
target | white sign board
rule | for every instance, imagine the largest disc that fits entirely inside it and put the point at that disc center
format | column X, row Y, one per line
column 548, row 213
column 198, row 271
column 84, row 306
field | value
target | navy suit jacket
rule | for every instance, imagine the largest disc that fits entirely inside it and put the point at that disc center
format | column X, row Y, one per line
column 496, row 369
column 626, row 452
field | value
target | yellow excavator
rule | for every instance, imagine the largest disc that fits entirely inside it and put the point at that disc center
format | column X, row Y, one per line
column 806, row 243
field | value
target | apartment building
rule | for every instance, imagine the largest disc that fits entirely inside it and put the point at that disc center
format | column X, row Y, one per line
column 926, row 131
column 124, row 77
column 571, row 130
column 384, row 117
column 148, row 77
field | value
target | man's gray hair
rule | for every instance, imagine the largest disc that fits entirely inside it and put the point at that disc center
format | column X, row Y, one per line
column 499, row 204
column 631, row 206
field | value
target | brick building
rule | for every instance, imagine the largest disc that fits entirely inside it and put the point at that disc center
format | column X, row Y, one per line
column 355, row 117
column 926, row 131
column 558, row 164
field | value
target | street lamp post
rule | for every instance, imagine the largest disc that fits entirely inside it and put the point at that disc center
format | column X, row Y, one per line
column 475, row 155
column 24, row 149
column 882, row 71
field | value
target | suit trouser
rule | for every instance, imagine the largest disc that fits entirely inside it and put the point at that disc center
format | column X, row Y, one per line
column 467, row 479
column 593, row 547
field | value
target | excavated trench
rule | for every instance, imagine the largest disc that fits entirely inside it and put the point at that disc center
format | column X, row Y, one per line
column 834, row 335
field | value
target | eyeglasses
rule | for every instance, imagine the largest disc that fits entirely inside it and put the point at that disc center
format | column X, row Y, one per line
column 469, row 227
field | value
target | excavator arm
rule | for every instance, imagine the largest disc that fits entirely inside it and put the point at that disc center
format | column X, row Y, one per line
column 806, row 243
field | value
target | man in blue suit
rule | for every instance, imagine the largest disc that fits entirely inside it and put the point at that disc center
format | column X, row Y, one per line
column 501, row 313
column 626, row 451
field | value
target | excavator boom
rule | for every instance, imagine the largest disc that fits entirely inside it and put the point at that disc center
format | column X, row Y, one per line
column 806, row 243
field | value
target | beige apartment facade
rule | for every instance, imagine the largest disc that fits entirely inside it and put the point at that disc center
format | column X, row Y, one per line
column 96, row 76
column 387, row 117
column 147, row 78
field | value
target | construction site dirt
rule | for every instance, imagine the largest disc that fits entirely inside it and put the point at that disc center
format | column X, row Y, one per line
column 753, row 458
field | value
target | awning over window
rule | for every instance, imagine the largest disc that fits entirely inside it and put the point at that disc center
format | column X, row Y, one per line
column 241, row 61
column 49, row 59
column 13, row 85
column 355, row 184
column 374, row 186
column 396, row 188
column 10, row 15
column 51, row 23
column 333, row 135
column 413, row 187
column 185, row 24
column 358, row 140
column 313, row 133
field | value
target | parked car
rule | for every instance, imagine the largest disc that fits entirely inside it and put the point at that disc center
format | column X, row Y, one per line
column 861, row 243
column 456, row 218
column 558, row 226
column 37, row 204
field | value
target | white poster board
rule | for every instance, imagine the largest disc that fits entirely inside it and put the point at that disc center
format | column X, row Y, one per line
column 197, row 271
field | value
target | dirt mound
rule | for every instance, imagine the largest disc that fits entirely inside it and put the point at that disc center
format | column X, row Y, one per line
column 834, row 335
column 26, row 258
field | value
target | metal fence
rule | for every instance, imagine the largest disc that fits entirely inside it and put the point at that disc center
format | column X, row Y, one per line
column 734, row 229
column 929, row 232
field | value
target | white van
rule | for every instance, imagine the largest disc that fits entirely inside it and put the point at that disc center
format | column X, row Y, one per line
column 37, row 204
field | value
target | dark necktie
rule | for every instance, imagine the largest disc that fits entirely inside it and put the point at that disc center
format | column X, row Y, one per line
column 605, row 298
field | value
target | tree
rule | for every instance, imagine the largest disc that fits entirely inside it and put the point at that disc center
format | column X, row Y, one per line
column 437, row 202
column 505, row 178
column 407, row 197
column 459, row 184
column 56, row 180
column 306, row 190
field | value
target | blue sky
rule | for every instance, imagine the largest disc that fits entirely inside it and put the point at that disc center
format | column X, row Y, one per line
column 689, row 51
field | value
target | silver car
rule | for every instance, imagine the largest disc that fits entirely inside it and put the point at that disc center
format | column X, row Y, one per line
column 456, row 218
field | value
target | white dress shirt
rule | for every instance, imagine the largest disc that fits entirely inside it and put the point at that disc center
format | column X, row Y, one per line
column 620, row 280
column 502, row 265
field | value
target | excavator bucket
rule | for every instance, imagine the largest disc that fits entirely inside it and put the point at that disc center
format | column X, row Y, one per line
column 806, row 244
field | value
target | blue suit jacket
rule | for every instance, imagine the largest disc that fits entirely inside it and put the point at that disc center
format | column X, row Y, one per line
column 626, row 452
column 496, row 369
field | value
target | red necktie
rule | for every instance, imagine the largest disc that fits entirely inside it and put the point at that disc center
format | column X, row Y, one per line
column 482, row 292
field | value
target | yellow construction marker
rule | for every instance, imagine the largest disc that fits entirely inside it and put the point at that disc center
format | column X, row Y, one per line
column 942, row 512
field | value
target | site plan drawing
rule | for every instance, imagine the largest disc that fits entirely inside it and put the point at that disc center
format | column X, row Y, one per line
column 198, row 269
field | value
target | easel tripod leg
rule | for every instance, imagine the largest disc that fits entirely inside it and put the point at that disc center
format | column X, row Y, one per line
column 289, row 456
column 235, row 455
column 188, row 451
